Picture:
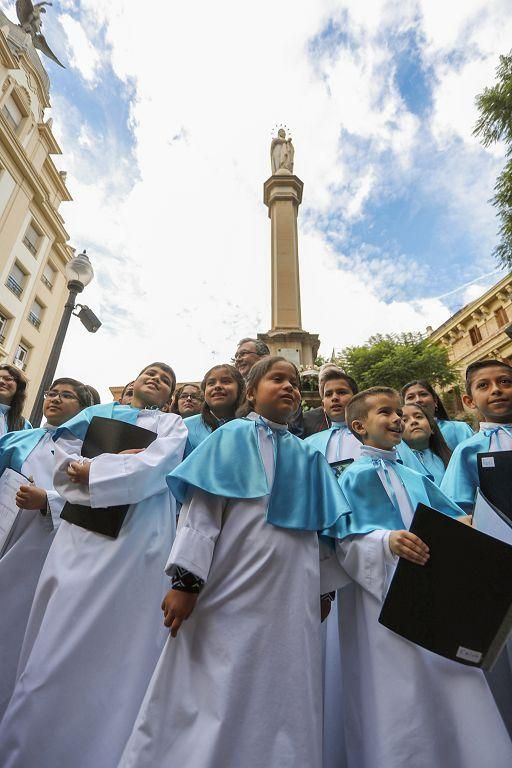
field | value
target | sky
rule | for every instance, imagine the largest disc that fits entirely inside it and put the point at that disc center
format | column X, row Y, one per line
column 165, row 113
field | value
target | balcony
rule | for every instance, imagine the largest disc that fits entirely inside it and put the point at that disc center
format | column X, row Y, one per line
column 13, row 285
column 19, row 364
column 46, row 282
column 34, row 320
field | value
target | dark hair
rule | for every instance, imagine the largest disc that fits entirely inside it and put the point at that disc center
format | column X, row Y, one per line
column 14, row 418
column 474, row 367
column 441, row 412
column 82, row 391
column 261, row 348
column 357, row 407
column 257, row 372
column 95, row 395
column 130, row 384
column 164, row 367
column 331, row 376
column 436, row 441
column 174, row 407
column 206, row 412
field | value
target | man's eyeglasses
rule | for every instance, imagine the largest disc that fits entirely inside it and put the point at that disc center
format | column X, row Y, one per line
column 243, row 353
column 52, row 394
column 7, row 379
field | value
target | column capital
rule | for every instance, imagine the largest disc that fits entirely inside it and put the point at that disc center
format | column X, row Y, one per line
column 282, row 187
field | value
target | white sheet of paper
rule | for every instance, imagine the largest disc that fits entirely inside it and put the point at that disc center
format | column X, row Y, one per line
column 487, row 520
column 10, row 482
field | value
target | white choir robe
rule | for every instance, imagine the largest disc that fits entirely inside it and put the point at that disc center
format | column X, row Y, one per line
column 406, row 707
column 342, row 444
column 95, row 630
column 21, row 562
column 240, row 685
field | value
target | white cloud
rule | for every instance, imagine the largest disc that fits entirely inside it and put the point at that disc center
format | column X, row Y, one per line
column 178, row 232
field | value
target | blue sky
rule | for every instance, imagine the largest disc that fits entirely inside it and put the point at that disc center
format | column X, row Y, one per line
column 165, row 127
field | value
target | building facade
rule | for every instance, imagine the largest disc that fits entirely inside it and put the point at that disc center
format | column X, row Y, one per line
column 33, row 240
column 482, row 329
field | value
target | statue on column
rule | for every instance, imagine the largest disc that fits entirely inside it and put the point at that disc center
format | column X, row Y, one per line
column 29, row 17
column 281, row 153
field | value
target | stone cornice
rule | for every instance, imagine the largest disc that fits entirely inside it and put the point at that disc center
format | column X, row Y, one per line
column 6, row 56
column 49, row 139
column 56, row 179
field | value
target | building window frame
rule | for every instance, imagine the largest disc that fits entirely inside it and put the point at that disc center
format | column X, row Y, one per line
column 15, row 94
column 4, row 322
column 45, row 279
column 33, row 245
column 36, row 318
column 22, row 355
column 501, row 317
column 13, row 284
column 475, row 335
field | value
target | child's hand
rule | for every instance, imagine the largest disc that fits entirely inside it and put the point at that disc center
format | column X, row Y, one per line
column 405, row 544
column 466, row 519
column 79, row 472
column 31, row 497
column 177, row 607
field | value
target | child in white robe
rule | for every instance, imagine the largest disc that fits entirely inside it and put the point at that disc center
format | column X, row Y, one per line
column 31, row 452
column 88, row 655
column 405, row 707
column 239, row 681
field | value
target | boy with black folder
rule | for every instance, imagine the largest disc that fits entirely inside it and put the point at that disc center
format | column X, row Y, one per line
column 95, row 633
column 404, row 705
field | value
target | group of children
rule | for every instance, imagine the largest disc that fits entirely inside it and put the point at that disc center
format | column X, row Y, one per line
column 240, row 673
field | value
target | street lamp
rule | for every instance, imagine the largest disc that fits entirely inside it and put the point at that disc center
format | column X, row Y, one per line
column 79, row 273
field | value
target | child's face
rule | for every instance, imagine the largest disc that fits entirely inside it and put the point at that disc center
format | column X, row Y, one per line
column 221, row 391
column 420, row 396
column 152, row 388
column 277, row 395
column 491, row 394
column 62, row 405
column 417, row 430
column 337, row 393
column 383, row 426
column 189, row 401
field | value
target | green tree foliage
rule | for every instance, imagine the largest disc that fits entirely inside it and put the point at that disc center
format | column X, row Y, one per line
column 495, row 124
column 395, row 359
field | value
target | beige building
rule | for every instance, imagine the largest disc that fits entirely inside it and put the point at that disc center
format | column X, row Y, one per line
column 478, row 331
column 33, row 241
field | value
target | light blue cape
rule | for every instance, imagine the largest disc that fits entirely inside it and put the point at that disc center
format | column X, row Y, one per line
column 16, row 447
column 197, row 432
column 305, row 494
column 79, row 424
column 370, row 504
column 454, row 432
column 460, row 481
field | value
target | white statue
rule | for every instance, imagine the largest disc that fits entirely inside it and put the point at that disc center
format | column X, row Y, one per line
column 281, row 153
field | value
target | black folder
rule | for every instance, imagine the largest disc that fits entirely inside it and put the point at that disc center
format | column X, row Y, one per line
column 338, row 467
column 106, row 436
column 458, row 605
column 495, row 479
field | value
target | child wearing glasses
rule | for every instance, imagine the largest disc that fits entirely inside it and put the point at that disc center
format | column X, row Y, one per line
column 31, row 452
column 187, row 400
column 88, row 656
column 13, row 385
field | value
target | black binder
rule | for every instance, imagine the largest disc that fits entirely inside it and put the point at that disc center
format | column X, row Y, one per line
column 458, row 605
column 495, row 479
column 106, row 436
column 338, row 467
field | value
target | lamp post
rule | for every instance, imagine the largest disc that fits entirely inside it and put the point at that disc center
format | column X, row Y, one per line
column 79, row 274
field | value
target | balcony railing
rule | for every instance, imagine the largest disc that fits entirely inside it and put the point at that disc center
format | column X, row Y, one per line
column 46, row 282
column 13, row 285
column 2, row 338
column 30, row 245
column 19, row 363
column 34, row 319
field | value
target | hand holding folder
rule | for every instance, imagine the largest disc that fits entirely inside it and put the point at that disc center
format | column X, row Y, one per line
column 107, row 436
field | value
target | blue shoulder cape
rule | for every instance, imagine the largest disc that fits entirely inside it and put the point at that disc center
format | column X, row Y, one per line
column 15, row 447
column 370, row 506
column 79, row 424
column 454, row 432
column 320, row 440
column 305, row 494
column 197, row 432
column 460, row 481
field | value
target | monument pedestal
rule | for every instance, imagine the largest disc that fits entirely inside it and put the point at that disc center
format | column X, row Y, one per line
column 297, row 346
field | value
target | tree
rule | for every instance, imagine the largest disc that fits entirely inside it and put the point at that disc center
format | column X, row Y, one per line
column 495, row 124
column 395, row 359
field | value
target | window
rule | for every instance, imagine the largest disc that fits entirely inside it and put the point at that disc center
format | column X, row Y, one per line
column 12, row 113
column 15, row 280
column 48, row 276
column 21, row 357
column 475, row 335
column 3, row 327
column 36, row 313
column 501, row 317
column 32, row 238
